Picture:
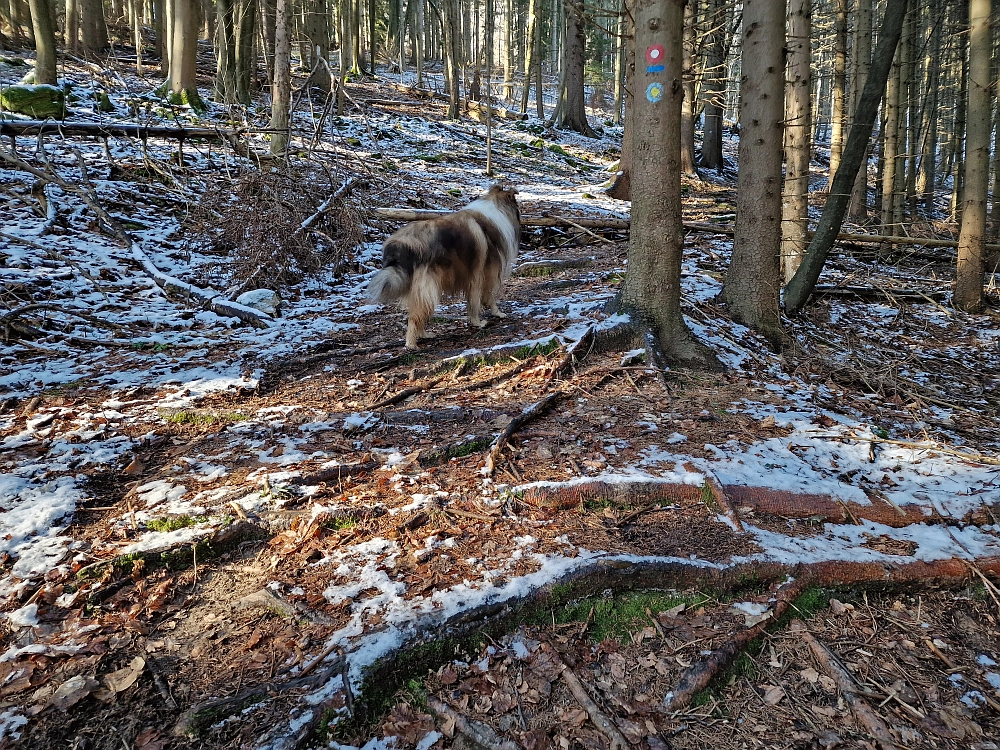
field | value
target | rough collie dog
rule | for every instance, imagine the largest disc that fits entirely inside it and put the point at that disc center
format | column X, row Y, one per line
column 470, row 251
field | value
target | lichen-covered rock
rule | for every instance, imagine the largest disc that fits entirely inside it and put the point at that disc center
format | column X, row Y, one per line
column 40, row 102
column 264, row 300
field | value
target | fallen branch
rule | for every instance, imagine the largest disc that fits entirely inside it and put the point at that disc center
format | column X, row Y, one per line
column 406, row 393
column 479, row 734
column 576, row 687
column 868, row 292
column 719, row 495
column 104, row 130
column 864, row 713
column 547, row 267
column 698, row 677
column 529, row 413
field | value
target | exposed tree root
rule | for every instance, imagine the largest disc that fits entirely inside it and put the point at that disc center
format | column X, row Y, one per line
column 871, row 721
column 529, row 413
column 481, row 735
column 576, row 687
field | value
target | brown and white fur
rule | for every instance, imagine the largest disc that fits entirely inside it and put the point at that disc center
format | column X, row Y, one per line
column 470, row 251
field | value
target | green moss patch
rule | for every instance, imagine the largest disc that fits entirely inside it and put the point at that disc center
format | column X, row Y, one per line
column 40, row 102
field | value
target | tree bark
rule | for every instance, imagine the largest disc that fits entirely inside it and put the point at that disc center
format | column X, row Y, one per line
column 839, row 87
column 687, row 106
column 318, row 33
column 861, row 61
column 927, row 174
column 45, row 42
column 281, row 86
column 573, row 113
column 452, row 40
column 800, row 287
column 72, row 32
column 181, row 82
column 753, row 284
column 715, row 88
column 619, row 64
column 890, row 144
column 969, row 271
column 530, row 51
column 93, row 27
column 960, row 123
column 621, row 188
column 508, row 50
column 798, row 145
column 651, row 290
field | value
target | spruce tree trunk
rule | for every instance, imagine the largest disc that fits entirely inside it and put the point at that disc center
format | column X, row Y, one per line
column 530, row 52
column 839, row 86
column 621, row 188
column 906, row 202
column 798, row 145
column 619, row 65
column 537, row 56
column 861, row 61
column 281, row 86
column 890, row 145
column 15, row 23
column 318, row 33
column 927, row 174
column 753, row 280
column 418, row 41
column 969, row 271
column 136, row 6
column 800, row 287
column 715, row 88
column 651, row 290
column 45, row 42
column 687, row 106
column 452, row 40
column 574, row 114
column 959, row 129
column 508, row 49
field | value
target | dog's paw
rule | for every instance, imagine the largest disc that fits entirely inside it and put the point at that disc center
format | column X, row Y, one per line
column 426, row 335
column 498, row 314
column 477, row 323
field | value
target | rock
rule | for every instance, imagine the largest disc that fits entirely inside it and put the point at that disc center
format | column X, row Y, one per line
column 264, row 300
column 40, row 102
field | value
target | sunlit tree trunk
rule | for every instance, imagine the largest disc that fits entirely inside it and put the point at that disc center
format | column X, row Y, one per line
column 861, row 60
column 45, row 41
column 753, row 281
column 890, row 145
column 619, row 65
column 927, row 174
column 573, row 113
column 281, row 86
column 969, row 272
column 651, row 290
column 508, row 47
column 531, row 51
column 839, row 86
column 715, row 87
column 318, row 33
column 798, row 144
column 183, row 53
column 687, row 106
column 621, row 188
column 72, row 34
column 452, row 39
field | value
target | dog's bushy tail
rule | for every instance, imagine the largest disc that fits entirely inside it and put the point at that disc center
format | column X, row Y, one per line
column 389, row 285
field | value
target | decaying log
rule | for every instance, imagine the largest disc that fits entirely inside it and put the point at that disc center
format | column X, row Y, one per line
column 872, row 722
column 481, row 735
column 476, row 109
column 870, row 292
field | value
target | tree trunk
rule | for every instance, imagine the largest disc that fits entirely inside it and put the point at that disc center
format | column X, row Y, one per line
column 181, row 81
column 753, row 283
column 530, row 51
column 890, row 144
column 715, row 88
column 969, row 272
column 906, row 201
column 839, row 86
column 927, row 175
column 574, row 114
column 959, row 129
column 452, row 40
column 508, row 49
column 621, row 188
column 800, row 287
column 862, row 55
column 318, row 33
column 651, row 290
column 687, row 106
column 93, row 27
column 798, row 145
column 619, row 65
column 281, row 86
column 45, row 42
column 15, row 23
column 72, row 33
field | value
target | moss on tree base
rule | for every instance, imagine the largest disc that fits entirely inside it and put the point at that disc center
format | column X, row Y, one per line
column 184, row 97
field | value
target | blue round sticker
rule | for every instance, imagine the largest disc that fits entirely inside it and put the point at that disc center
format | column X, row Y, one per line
column 654, row 92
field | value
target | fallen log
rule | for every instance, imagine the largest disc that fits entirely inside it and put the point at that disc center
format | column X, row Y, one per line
column 412, row 214
column 476, row 109
column 871, row 292
column 110, row 129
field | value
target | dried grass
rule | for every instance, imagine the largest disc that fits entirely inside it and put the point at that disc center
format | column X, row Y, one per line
column 256, row 221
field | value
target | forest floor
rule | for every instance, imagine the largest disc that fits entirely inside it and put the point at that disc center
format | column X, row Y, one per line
column 221, row 536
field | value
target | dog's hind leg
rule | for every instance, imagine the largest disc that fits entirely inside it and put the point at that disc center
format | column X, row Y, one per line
column 490, row 300
column 474, row 304
column 421, row 302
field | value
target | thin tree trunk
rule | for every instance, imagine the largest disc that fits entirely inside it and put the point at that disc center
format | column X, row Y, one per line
column 959, row 129
column 798, row 146
column 715, row 87
column 753, row 280
column 72, row 34
column 651, row 290
column 281, row 86
column 927, row 175
column 621, row 188
column 800, row 287
column 619, row 64
column 906, row 198
column 687, row 106
column 45, row 42
column 839, row 86
column 508, row 49
column 969, row 271
column 890, row 144
column 452, row 33
column 530, row 51
column 861, row 62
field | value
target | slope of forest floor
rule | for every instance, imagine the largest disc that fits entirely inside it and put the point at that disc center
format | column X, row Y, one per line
column 217, row 535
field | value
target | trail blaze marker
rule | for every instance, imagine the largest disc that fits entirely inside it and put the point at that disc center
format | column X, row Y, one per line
column 654, row 54
column 654, row 92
